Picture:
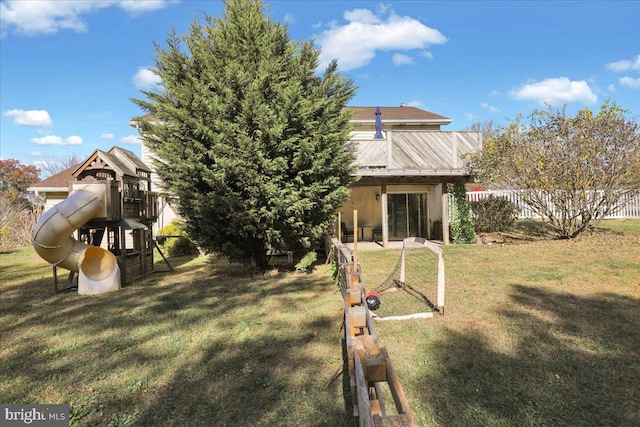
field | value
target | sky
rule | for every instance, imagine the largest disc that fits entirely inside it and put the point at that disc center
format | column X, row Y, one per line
column 68, row 69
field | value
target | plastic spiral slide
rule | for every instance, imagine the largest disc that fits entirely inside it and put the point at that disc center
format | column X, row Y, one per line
column 53, row 240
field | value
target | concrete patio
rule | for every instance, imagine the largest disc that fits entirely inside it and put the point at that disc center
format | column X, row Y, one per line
column 367, row 245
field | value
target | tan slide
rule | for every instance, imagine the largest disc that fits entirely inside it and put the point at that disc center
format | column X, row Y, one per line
column 52, row 238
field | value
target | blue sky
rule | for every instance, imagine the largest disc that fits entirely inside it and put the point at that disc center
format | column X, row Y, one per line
column 69, row 68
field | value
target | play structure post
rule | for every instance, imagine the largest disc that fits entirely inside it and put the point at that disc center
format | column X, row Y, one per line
column 355, row 236
column 445, row 214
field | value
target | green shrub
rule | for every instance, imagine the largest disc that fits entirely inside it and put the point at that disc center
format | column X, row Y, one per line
column 176, row 246
column 493, row 214
column 307, row 261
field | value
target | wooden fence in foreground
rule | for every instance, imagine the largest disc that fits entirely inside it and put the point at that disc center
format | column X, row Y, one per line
column 369, row 366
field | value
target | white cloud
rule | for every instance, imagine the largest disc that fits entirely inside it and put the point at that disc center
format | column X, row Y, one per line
column 426, row 54
column 145, row 78
column 490, row 107
column 50, row 16
column 382, row 8
column 624, row 65
column 136, row 7
column 107, row 136
column 355, row 44
column 364, row 16
column 470, row 116
column 35, row 118
column 416, row 104
column 555, row 91
column 56, row 140
column 611, row 88
column 130, row 139
column 74, row 140
column 630, row 82
column 401, row 59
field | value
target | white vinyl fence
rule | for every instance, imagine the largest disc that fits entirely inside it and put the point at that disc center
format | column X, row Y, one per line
column 629, row 206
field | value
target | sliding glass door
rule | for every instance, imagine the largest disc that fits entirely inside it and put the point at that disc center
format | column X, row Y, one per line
column 408, row 215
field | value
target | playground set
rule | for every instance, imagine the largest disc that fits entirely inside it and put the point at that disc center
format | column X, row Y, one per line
column 112, row 209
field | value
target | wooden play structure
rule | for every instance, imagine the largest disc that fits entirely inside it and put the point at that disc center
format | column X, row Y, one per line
column 132, row 209
column 112, row 207
column 369, row 367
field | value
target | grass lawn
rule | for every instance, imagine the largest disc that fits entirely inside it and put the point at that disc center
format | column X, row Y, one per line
column 209, row 345
column 536, row 333
column 540, row 332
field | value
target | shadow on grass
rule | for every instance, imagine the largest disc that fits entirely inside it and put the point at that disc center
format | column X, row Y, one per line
column 525, row 230
column 204, row 346
column 568, row 360
column 532, row 227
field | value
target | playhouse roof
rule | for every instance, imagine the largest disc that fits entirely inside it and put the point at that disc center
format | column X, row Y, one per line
column 130, row 157
column 123, row 162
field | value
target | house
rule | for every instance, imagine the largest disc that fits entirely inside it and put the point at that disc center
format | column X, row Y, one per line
column 405, row 162
column 404, row 165
column 167, row 213
column 128, row 209
column 54, row 189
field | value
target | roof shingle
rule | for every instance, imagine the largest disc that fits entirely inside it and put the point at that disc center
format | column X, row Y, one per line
column 398, row 114
column 60, row 179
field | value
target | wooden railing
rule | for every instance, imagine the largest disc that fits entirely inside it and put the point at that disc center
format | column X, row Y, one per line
column 147, row 200
column 370, row 367
column 150, row 205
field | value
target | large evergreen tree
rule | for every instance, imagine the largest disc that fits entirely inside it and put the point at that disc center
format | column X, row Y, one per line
column 250, row 137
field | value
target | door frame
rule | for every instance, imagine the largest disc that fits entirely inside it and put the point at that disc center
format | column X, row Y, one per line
column 422, row 222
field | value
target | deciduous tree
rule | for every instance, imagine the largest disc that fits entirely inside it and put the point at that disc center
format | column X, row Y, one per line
column 571, row 170
column 250, row 138
column 15, row 178
column 52, row 167
column 17, row 216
